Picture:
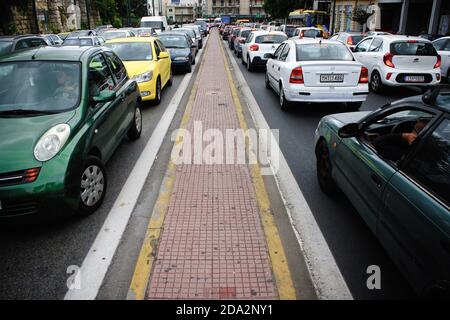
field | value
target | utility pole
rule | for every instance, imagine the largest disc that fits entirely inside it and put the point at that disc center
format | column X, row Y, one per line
column 88, row 14
column 36, row 17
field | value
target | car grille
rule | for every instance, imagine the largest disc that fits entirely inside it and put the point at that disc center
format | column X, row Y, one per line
column 18, row 208
column 18, row 177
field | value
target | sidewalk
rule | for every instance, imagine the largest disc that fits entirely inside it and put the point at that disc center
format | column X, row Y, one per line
column 210, row 240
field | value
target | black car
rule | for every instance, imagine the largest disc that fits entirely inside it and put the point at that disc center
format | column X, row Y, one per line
column 9, row 44
column 181, row 48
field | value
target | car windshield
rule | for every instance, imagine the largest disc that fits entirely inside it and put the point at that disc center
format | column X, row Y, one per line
column 152, row 24
column 443, row 100
column 355, row 39
column 77, row 42
column 271, row 38
column 174, row 41
column 412, row 48
column 5, row 47
column 39, row 86
column 324, row 51
column 190, row 32
column 290, row 31
column 114, row 34
column 132, row 51
column 312, row 33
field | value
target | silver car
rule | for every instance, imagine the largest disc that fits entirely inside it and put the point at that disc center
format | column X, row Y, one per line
column 442, row 46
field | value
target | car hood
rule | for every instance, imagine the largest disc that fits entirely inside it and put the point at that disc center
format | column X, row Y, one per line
column 135, row 68
column 338, row 120
column 174, row 52
column 19, row 137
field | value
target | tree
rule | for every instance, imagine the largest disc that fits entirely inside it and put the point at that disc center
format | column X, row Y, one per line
column 361, row 14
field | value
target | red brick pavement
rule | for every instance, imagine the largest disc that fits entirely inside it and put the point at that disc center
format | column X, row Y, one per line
column 213, row 244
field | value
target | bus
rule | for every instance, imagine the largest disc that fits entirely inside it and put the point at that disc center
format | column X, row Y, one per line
column 310, row 18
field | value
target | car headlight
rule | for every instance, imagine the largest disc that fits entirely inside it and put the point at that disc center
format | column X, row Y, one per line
column 51, row 142
column 181, row 59
column 143, row 77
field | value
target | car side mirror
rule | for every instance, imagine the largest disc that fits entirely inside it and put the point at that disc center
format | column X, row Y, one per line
column 349, row 130
column 270, row 55
column 105, row 96
column 163, row 55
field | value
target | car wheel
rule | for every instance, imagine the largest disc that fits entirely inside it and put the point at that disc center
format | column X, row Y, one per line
column 249, row 64
column 170, row 82
column 242, row 60
column 136, row 128
column 284, row 104
column 189, row 68
column 324, row 169
column 92, row 186
column 158, row 92
column 266, row 80
column 354, row 106
column 375, row 83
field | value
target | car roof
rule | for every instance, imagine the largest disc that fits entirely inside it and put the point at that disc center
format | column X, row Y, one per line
column 261, row 32
column 132, row 39
column 9, row 38
column 314, row 41
column 441, row 38
column 64, row 53
column 394, row 37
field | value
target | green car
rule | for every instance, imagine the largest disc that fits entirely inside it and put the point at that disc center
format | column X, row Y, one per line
column 393, row 164
column 63, row 112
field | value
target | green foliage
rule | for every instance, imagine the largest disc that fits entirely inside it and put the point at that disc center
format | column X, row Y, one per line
column 361, row 14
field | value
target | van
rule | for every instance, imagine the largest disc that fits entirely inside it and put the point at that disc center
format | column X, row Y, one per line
column 159, row 23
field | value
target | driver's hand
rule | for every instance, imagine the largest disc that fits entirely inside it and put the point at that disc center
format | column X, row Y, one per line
column 409, row 137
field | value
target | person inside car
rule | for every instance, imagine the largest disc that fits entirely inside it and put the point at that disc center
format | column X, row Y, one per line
column 66, row 84
column 393, row 146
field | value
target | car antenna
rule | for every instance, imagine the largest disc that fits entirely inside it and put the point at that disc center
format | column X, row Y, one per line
column 34, row 54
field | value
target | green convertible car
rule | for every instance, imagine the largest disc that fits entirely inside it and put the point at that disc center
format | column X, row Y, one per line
column 394, row 166
column 63, row 112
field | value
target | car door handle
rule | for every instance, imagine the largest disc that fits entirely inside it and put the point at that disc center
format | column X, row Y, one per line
column 376, row 178
column 278, row 68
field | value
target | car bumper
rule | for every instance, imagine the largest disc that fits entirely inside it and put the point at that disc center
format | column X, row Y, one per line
column 300, row 93
column 147, row 90
column 258, row 61
column 395, row 77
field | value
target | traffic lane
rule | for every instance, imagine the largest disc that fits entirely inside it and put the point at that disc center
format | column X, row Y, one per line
column 351, row 242
column 34, row 257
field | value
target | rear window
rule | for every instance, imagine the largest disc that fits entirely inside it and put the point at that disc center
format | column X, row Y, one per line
column 244, row 34
column 412, row 48
column 77, row 42
column 311, row 33
column 327, row 51
column 270, row 38
column 290, row 31
column 5, row 47
column 151, row 24
column 356, row 39
column 113, row 35
column 30, row 43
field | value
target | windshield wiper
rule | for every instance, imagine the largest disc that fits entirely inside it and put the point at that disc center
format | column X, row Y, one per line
column 24, row 112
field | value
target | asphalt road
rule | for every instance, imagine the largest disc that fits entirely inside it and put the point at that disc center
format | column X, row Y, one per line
column 351, row 242
column 34, row 257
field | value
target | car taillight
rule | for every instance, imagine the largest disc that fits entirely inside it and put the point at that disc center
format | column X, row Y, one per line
column 438, row 62
column 387, row 59
column 254, row 47
column 31, row 175
column 296, row 76
column 364, row 76
column 350, row 40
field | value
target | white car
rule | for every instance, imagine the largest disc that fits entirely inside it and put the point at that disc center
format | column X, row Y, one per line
column 395, row 60
column 442, row 45
column 259, row 46
column 307, row 32
column 316, row 70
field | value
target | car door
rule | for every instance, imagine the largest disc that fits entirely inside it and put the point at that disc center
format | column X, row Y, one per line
column 272, row 66
column 106, row 114
column 361, row 52
column 124, row 90
column 374, row 54
column 281, row 62
column 414, row 223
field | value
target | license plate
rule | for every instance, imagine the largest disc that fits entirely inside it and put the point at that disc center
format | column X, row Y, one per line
column 414, row 78
column 331, row 78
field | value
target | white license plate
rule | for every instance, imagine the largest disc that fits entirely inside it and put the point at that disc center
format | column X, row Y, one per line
column 414, row 78
column 331, row 78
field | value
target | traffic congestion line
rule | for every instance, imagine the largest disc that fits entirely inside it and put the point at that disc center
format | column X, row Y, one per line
column 96, row 263
column 147, row 255
column 325, row 274
column 283, row 278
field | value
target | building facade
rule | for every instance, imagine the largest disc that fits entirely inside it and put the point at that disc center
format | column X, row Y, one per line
column 237, row 8
column 182, row 12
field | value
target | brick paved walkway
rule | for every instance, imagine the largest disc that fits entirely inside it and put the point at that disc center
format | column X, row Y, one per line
column 213, row 244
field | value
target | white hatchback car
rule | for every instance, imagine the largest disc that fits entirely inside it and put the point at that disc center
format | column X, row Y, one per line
column 313, row 70
column 307, row 32
column 442, row 45
column 259, row 46
column 395, row 60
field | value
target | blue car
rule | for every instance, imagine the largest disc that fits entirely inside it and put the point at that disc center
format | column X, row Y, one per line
column 393, row 164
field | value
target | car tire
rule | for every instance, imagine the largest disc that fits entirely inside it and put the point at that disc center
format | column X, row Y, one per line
column 158, row 91
column 135, row 131
column 266, row 81
column 170, row 82
column 354, row 106
column 93, row 183
column 242, row 60
column 249, row 64
column 284, row 104
column 324, row 169
column 376, row 84
column 189, row 68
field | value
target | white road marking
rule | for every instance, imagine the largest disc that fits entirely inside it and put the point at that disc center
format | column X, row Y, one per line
column 100, row 255
column 325, row 274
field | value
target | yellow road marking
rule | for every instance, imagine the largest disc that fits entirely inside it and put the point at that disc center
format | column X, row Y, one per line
column 147, row 255
column 285, row 286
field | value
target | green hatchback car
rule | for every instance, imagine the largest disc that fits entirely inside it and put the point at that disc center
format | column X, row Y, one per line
column 393, row 164
column 63, row 112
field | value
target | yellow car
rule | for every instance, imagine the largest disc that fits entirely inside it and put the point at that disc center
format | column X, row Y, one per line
column 147, row 62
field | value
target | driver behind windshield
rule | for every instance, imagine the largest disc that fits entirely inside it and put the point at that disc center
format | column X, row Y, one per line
column 394, row 145
column 66, row 82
